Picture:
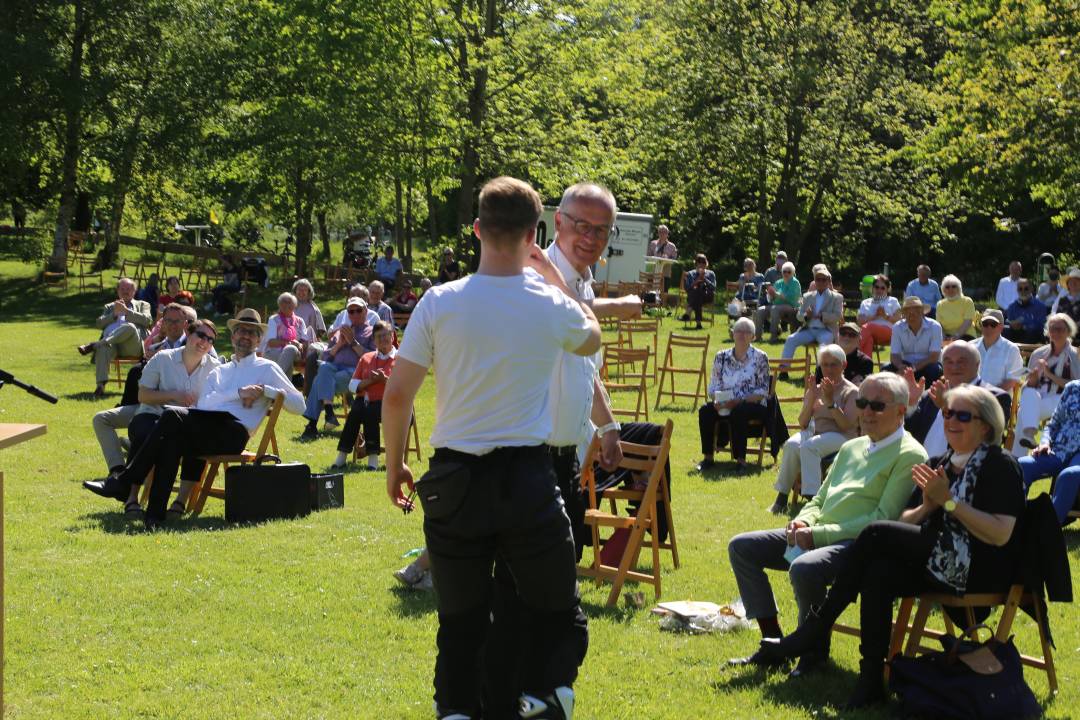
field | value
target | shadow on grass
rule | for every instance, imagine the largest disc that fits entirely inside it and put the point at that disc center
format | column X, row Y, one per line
column 116, row 523
column 413, row 603
column 829, row 687
column 37, row 303
column 87, row 396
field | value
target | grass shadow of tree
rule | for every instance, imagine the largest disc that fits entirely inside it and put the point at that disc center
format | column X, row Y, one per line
column 114, row 522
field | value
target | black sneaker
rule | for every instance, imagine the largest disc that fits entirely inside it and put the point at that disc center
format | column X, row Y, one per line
column 705, row 464
column 311, row 432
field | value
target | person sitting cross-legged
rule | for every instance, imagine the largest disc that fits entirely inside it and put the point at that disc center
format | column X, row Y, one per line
column 367, row 384
column 956, row 536
column 870, row 479
column 233, row 404
column 347, row 344
column 700, row 287
column 828, row 419
column 821, row 311
column 916, row 342
column 124, row 324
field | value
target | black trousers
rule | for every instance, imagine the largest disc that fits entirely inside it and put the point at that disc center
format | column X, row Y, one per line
column 181, row 434
column 503, row 504
column 508, row 653
column 733, row 428
column 367, row 414
column 131, row 385
column 696, row 297
column 1024, row 335
column 139, row 430
column 886, row 561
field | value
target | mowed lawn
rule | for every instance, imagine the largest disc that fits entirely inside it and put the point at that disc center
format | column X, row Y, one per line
column 302, row 619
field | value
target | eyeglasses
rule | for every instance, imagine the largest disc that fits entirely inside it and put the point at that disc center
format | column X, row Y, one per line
column 875, row 405
column 355, row 309
column 788, row 272
column 204, row 336
column 821, row 278
column 583, row 227
column 989, row 323
column 174, row 320
column 880, row 287
column 244, row 330
column 962, row 415
column 1058, row 329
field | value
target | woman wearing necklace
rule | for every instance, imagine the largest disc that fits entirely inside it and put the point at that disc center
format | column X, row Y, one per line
column 1050, row 368
column 957, row 535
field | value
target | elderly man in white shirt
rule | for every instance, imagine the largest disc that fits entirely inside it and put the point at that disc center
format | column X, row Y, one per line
column 1002, row 366
column 1006, row 289
column 232, row 406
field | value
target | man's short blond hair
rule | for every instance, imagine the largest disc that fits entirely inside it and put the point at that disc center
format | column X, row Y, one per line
column 509, row 209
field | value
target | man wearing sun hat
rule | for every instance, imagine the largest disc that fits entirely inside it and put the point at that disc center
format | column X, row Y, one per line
column 233, row 404
column 1068, row 302
column 916, row 342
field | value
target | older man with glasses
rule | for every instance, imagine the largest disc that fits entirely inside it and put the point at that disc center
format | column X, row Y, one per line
column 821, row 311
column 870, row 479
column 1025, row 317
column 347, row 344
column 1002, row 364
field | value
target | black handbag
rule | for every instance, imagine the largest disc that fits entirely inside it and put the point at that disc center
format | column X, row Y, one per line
column 264, row 491
column 965, row 681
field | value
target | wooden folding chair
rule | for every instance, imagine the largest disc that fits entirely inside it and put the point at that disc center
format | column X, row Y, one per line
column 118, row 375
column 669, row 370
column 1010, row 422
column 1009, row 601
column 644, row 326
column 87, row 274
column 214, row 463
column 753, row 434
column 412, row 443
column 619, row 358
column 798, row 371
column 401, row 320
column 636, row 458
column 1026, row 349
column 50, row 278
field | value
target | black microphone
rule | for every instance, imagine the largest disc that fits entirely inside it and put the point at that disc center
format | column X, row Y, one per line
column 6, row 377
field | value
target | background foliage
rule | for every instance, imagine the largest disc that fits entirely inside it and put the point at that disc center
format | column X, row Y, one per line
column 850, row 132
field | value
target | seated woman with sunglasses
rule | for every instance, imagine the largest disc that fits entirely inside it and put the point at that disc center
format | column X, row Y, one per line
column 877, row 315
column 171, row 377
column 956, row 536
column 956, row 311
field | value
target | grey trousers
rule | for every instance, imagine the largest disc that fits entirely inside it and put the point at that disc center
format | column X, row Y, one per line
column 810, row 575
column 123, row 341
column 285, row 357
column 106, row 423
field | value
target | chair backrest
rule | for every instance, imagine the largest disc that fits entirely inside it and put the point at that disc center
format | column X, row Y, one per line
column 641, row 326
column 636, row 458
column 268, row 437
column 1026, row 349
column 697, row 342
column 617, row 357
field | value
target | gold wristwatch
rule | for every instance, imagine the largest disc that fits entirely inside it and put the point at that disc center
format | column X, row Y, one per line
column 950, row 504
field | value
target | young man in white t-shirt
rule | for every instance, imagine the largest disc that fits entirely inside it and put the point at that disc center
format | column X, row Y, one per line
column 491, row 488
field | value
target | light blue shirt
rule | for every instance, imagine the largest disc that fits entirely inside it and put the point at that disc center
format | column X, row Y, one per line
column 929, row 293
column 388, row 267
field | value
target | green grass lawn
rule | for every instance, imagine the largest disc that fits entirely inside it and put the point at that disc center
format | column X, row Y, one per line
column 302, row 619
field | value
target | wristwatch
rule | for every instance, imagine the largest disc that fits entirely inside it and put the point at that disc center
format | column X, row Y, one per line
column 950, row 504
column 605, row 429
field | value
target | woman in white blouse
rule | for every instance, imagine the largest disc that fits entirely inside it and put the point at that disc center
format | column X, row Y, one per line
column 877, row 315
column 287, row 335
column 1050, row 368
column 171, row 377
column 738, row 393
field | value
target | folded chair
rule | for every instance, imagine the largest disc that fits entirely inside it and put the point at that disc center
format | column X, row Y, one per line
column 647, row 327
column 669, row 370
column 649, row 459
column 625, row 361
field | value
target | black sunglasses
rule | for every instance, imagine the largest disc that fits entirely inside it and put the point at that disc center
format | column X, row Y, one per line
column 875, row 405
column 962, row 415
column 204, row 336
column 989, row 323
column 355, row 310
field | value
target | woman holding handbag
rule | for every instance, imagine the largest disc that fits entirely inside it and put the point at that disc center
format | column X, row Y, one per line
column 957, row 535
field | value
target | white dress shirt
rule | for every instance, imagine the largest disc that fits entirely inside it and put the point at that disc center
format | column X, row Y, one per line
column 1000, row 362
column 1006, row 292
column 895, row 436
column 571, row 394
column 222, row 392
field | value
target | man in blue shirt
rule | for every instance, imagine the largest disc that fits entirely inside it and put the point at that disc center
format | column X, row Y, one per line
column 388, row 267
column 1026, row 316
column 925, row 288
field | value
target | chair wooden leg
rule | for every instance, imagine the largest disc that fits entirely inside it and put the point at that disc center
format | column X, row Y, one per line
column 917, row 628
column 630, row 557
column 144, row 496
column 1047, row 651
column 900, row 627
column 198, row 498
column 670, row 524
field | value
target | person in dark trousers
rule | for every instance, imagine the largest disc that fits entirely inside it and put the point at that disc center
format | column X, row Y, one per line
column 491, row 489
column 233, row 404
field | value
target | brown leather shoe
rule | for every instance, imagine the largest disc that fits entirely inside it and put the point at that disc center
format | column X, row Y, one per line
column 86, row 349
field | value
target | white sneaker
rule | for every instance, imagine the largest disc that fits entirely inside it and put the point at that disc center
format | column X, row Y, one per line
column 409, row 575
column 558, row 706
column 424, row 583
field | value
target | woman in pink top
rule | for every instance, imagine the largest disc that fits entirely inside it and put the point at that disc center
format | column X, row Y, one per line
column 287, row 335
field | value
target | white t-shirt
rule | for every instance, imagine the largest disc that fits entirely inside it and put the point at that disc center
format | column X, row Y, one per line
column 868, row 308
column 1006, row 293
column 572, row 379
column 493, row 342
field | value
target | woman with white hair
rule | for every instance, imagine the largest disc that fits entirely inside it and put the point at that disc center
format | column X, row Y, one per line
column 828, row 419
column 956, row 312
column 956, row 536
column 287, row 335
column 738, row 392
column 784, row 296
column 306, row 308
column 1050, row 368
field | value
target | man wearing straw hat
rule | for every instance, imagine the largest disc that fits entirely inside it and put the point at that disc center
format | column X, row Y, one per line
column 233, row 403
column 916, row 342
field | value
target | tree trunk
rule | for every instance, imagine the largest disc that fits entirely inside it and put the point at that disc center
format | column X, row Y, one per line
column 302, row 209
column 477, row 111
column 432, row 211
column 324, row 234
column 73, row 118
column 406, row 256
column 398, row 216
column 122, row 173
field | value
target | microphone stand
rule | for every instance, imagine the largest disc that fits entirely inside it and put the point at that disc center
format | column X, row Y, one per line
column 6, row 377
